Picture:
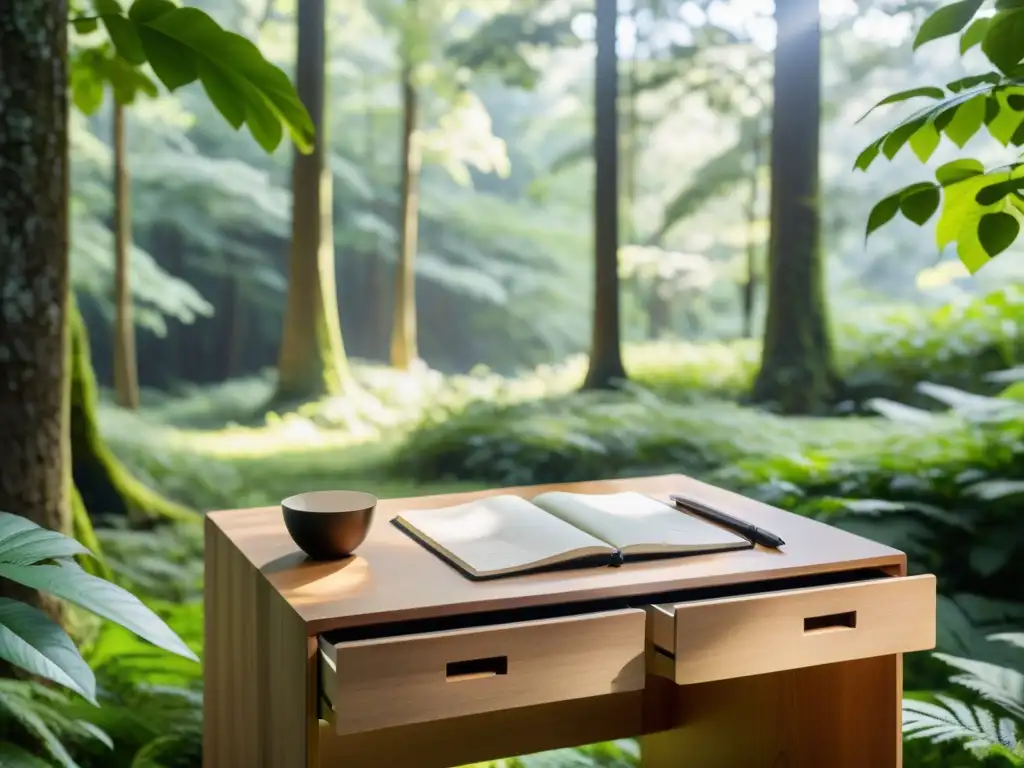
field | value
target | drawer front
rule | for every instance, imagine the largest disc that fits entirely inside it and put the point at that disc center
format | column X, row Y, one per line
column 388, row 682
column 751, row 635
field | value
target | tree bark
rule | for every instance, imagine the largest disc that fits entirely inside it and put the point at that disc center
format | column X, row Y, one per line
column 606, row 370
column 404, row 347
column 105, row 485
column 749, row 290
column 311, row 360
column 126, row 383
column 797, row 373
column 33, row 267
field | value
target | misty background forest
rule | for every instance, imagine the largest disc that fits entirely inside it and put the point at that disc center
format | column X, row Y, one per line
column 519, row 254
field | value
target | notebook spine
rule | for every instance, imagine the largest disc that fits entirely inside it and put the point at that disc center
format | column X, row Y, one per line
column 618, row 558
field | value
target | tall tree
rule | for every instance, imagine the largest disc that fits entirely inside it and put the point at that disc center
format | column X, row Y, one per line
column 311, row 360
column 404, row 350
column 35, row 434
column 797, row 373
column 126, row 383
column 606, row 369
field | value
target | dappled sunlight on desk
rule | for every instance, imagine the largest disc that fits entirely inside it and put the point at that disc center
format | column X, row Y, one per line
column 314, row 581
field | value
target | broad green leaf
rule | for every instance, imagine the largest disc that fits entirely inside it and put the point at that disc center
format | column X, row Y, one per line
column 918, row 206
column 172, row 62
column 970, row 251
column 947, row 20
column 898, row 137
column 960, row 210
column 1004, row 40
column 967, row 121
column 1015, row 101
column 15, row 757
column 36, row 726
column 87, row 92
column 103, row 598
column 143, row 11
column 263, row 124
column 958, row 170
column 997, row 231
column 30, row 640
column 972, row 81
column 930, row 91
column 234, row 54
column 1006, row 121
column 883, row 212
column 86, row 25
column 1017, row 139
column 993, row 193
column 924, row 142
column 973, row 35
column 108, row 7
column 125, row 38
column 223, row 93
column 12, row 525
column 36, row 544
column 865, row 158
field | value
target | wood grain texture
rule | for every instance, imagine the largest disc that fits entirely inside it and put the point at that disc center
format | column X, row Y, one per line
column 464, row 740
column 375, row 684
column 259, row 672
column 756, row 634
column 393, row 578
column 838, row 715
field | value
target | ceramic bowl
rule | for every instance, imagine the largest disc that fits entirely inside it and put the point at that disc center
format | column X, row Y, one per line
column 329, row 525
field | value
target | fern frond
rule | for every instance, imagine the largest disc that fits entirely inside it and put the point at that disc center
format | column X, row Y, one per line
column 997, row 684
column 951, row 720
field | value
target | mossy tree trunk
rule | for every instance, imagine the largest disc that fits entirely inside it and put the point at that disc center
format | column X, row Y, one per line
column 311, row 361
column 797, row 373
column 126, row 383
column 605, row 370
column 404, row 346
column 33, row 266
column 105, row 485
column 748, row 290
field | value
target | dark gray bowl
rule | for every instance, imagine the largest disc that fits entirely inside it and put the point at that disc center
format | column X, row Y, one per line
column 328, row 525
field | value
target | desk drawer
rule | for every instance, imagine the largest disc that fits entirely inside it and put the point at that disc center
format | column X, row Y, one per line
column 708, row 640
column 380, row 683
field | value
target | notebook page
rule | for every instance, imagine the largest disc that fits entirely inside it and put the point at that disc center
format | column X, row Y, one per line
column 631, row 519
column 501, row 533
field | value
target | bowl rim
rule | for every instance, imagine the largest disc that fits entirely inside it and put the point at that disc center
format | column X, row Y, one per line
column 367, row 503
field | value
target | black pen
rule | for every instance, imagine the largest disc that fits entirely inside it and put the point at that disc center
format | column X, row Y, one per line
column 752, row 532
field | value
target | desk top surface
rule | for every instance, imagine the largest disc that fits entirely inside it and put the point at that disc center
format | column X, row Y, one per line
column 393, row 578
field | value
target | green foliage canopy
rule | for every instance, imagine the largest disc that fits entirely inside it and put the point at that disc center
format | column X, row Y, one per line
column 980, row 208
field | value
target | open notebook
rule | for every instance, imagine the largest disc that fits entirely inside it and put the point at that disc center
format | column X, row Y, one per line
column 508, row 535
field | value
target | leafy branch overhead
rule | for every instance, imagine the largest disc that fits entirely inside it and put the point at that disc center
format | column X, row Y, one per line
column 180, row 46
column 981, row 208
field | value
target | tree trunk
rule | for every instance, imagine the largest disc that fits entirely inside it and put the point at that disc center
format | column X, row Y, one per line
column 749, row 289
column 126, row 384
column 311, row 361
column 33, row 267
column 606, row 370
column 797, row 373
column 404, row 350
column 105, row 485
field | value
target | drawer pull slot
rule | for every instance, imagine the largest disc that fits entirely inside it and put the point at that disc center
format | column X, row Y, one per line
column 831, row 621
column 475, row 669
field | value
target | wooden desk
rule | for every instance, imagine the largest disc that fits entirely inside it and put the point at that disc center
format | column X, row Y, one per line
column 749, row 659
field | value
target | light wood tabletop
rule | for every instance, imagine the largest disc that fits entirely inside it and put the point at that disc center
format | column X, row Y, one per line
column 393, row 578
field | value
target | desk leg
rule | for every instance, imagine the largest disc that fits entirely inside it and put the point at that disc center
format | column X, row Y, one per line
column 259, row 673
column 839, row 715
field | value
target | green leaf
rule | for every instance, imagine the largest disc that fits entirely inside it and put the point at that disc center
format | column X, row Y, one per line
column 36, row 726
column 865, row 158
column 125, row 38
column 234, row 54
column 15, row 757
column 172, row 62
column 107, row 7
column 930, row 91
column 224, row 94
column 993, row 193
column 86, row 91
column 1004, row 40
column 143, row 11
column 971, row 81
column 1015, row 101
column 883, row 212
column 967, row 121
column 1006, row 121
column 263, row 124
column 947, row 20
column 924, row 142
column 86, row 25
column 958, row 170
column 997, row 231
column 34, row 545
column 899, row 136
column 31, row 641
column 973, row 34
column 101, row 597
column 919, row 205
